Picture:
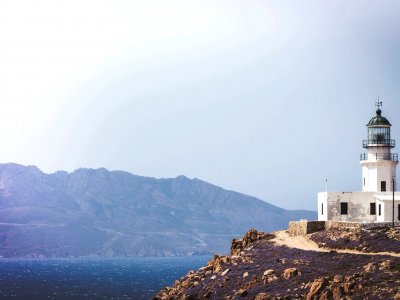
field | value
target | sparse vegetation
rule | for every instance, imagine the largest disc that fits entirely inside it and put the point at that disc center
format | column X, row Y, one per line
column 260, row 269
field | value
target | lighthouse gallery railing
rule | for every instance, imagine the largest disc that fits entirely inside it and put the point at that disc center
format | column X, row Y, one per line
column 379, row 142
column 380, row 156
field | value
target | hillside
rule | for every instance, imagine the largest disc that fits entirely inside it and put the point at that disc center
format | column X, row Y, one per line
column 276, row 266
column 101, row 213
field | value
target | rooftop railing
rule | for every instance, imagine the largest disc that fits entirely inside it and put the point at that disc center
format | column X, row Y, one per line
column 380, row 156
column 379, row 143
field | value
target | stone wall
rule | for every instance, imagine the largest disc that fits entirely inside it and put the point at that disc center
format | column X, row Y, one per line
column 379, row 225
column 356, row 225
column 305, row 227
column 342, row 225
column 297, row 228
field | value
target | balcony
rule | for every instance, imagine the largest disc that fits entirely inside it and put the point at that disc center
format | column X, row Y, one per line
column 379, row 156
column 379, row 143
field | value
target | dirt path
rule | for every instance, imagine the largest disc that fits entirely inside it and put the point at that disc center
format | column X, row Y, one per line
column 304, row 243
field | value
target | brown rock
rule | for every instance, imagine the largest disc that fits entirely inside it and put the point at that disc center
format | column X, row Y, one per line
column 238, row 245
column 218, row 268
column 290, row 273
column 269, row 272
column 208, row 294
column 206, row 268
column 282, row 260
column 272, row 278
column 186, row 283
column 224, row 259
column 245, row 274
column 348, row 286
column 327, row 295
column 269, row 276
column 338, row 278
column 371, row 267
column 240, row 293
column 262, row 296
column 385, row 265
column 349, row 279
column 316, row 288
column 338, row 293
column 217, row 263
column 225, row 272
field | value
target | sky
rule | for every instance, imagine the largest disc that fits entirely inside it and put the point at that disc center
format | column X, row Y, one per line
column 266, row 98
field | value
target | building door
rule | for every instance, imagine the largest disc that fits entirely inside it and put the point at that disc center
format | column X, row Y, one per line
column 372, row 208
column 398, row 211
column 343, row 208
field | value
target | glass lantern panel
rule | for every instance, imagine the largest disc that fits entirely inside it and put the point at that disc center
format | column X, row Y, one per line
column 378, row 135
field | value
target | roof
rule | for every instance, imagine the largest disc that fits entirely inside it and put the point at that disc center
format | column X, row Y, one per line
column 378, row 120
column 387, row 196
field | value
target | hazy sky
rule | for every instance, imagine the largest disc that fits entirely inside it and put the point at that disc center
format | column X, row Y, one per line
column 266, row 98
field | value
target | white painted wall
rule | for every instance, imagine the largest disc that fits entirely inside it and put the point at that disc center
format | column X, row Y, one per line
column 387, row 208
column 358, row 206
column 375, row 171
column 379, row 150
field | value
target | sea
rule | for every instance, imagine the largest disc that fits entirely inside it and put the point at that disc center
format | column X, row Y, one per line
column 92, row 278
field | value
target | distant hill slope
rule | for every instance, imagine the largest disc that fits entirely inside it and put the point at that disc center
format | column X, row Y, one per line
column 101, row 213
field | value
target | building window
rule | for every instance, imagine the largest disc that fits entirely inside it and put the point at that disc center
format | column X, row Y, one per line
column 322, row 209
column 383, row 186
column 343, row 208
column 372, row 208
column 379, row 209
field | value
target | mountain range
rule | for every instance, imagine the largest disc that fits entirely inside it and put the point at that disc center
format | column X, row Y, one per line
column 96, row 212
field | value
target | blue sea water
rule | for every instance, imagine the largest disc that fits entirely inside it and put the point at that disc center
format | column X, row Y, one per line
column 92, row 278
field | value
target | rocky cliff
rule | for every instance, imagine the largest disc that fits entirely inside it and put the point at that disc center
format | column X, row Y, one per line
column 270, row 266
column 102, row 213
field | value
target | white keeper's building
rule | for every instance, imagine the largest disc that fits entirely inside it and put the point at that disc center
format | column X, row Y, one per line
column 375, row 202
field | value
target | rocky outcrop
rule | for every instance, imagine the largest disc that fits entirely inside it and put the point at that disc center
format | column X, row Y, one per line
column 238, row 245
column 259, row 269
column 337, row 287
column 358, row 238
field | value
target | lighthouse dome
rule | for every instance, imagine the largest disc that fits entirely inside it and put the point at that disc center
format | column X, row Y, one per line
column 378, row 120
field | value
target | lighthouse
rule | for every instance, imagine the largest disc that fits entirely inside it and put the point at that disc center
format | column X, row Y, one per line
column 378, row 164
column 378, row 200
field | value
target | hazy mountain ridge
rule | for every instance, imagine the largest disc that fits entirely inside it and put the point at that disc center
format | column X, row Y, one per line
column 98, row 212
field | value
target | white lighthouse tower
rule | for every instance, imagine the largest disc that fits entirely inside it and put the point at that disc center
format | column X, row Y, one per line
column 378, row 164
column 378, row 201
